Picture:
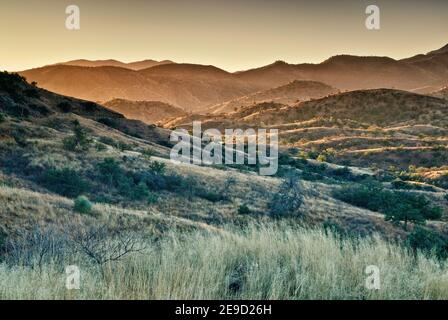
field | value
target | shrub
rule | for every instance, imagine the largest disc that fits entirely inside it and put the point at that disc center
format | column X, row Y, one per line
column 2, row 117
column 82, row 205
column 20, row 139
column 427, row 241
column 243, row 209
column 100, row 147
column 157, row 167
column 288, row 199
column 32, row 93
column 322, row 158
column 140, row 191
column 66, row 182
column 79, row 140
column 64, row 107
column 397, row 206
column 110, row 171
column 152, row 198
column 211, row 196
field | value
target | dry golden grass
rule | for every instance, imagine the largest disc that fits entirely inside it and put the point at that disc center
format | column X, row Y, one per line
column 261, row 262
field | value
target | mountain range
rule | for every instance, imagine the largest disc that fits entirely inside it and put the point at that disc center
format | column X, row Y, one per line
column 197, row 88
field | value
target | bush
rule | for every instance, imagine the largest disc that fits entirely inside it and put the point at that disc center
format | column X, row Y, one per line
column 427, row 241
column 100, row 147
column 288, row 199
column 140, row 191
column 243, row 209
column 65, row 107
column 32, row 93
column 66, row 182
column 396, row 205
column 78, row 141
column 2, row 117
column 211, row 196
column 82, row 205
column 157, row 167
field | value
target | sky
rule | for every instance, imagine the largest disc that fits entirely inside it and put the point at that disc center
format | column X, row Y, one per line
column 233, row 35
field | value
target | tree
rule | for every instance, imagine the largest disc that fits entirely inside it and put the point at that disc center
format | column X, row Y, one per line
column 407, row 207
column 79, row 139
column 288, row 199
column 103, row 243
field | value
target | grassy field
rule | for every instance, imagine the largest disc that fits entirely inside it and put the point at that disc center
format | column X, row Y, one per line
column 260, row 262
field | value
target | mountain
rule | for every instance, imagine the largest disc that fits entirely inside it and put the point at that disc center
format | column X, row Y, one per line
column 190, row 87
column 146, row 111
column 137, row 65
column 196, row 88
column 290, row 93
column 346, row 73
column 434, row 62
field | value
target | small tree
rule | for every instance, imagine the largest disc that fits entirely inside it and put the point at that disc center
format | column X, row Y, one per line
column 288, row 199
column 103, row 244
column 79, row 139
column 407, row 207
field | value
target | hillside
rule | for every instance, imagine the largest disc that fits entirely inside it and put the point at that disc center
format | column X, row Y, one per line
column 146, row 111
column 289, row 94
column 380, row 128
column 190, row 87
column 79, row 178
column 442, row 93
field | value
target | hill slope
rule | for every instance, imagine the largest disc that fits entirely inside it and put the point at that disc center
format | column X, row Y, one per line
column 290, row 93
column 146, row 111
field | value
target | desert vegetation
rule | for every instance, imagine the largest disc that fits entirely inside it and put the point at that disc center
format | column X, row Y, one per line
column 262, row 261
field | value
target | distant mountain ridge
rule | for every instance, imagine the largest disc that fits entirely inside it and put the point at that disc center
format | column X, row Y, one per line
column 137, row 65
column 196, row 88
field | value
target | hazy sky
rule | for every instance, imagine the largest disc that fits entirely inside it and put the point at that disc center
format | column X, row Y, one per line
column 230, row 34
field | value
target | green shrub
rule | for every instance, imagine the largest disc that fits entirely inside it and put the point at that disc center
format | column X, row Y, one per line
column 427, row 241
column 66, row 182
column 2, row 117
column 82, row 205
column 20, row 139
column 243, row 209
column 79, row 141
column 100, row 147
column 288, row 200
column 157, row 167
column 140, row 191
column 152, row 198
column 211, row 196
column 396, row 205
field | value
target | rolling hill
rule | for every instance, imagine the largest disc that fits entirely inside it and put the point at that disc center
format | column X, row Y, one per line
column 290, row 93
column 146, row 111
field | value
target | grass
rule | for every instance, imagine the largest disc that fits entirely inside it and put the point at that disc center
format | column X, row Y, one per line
column 264, row 261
